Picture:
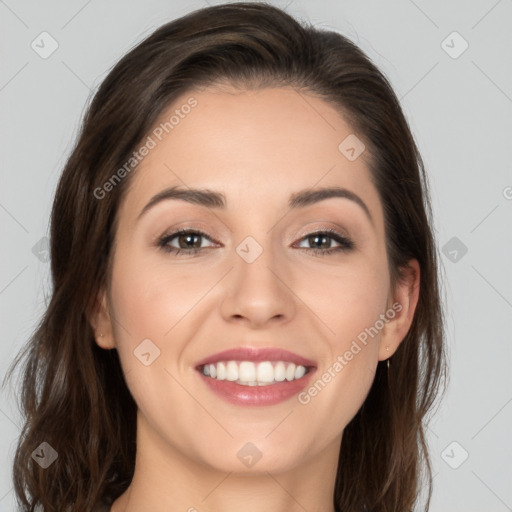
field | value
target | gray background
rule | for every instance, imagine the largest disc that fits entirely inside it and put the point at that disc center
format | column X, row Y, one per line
column 459, row 109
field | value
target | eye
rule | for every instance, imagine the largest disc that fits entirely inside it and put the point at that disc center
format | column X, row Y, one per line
column 189, row 241
column 324, row 238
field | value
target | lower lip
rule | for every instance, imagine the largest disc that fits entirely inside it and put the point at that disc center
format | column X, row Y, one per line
column 257, row 395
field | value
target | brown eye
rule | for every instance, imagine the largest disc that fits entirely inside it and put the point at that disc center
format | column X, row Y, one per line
column 188, row 241
column 320, row 242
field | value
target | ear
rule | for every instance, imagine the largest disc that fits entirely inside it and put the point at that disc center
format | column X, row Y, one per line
column 100, row 322
column 403, row 304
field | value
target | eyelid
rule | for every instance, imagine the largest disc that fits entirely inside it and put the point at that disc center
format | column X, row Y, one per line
column 327, row 226
column 323, row 229
column 187, row 228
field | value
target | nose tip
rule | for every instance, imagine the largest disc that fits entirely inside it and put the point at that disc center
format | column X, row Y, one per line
column 257, row 294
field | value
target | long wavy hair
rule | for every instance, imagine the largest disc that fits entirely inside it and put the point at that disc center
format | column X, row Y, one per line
column 73, row 393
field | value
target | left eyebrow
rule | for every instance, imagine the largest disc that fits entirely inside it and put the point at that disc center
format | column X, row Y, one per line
column 311, row 196
column 217, row 200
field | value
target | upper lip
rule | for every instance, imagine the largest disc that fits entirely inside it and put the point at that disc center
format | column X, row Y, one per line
column 256, row 354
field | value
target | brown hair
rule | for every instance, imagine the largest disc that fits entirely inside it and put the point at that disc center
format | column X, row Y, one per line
column 74, row 395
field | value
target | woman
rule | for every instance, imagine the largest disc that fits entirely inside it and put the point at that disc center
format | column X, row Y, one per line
column 246, row 308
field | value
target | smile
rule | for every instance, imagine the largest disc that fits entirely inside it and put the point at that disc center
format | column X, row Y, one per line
column 250, row 376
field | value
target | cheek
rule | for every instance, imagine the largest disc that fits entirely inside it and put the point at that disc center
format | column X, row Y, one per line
column 350, row 301
column 154, row 302
column 150, row 297
column 347, row 298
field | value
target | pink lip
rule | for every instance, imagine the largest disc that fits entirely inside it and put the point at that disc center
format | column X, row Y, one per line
column 256, row 354
column 257, row 395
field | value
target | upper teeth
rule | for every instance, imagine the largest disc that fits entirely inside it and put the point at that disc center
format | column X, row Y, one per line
column 254, row 374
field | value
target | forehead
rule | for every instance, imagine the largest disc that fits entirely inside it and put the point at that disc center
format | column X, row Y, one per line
column 256, row 146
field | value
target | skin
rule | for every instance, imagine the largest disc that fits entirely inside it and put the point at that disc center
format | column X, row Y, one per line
column 257, row 148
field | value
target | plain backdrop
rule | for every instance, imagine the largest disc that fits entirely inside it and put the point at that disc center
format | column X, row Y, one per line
column 450, row 64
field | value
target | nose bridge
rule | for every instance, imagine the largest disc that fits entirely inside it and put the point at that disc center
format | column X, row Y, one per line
column 257, row 290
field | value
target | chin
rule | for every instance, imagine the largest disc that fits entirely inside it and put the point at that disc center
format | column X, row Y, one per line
column 254, row 458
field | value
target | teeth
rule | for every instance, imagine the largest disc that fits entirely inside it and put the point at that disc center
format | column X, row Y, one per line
column 221, row 371
column 232, row 371
column 290, row 372
column 249, row 373
column 300, row 371
column 279, row 372
column 265, row 372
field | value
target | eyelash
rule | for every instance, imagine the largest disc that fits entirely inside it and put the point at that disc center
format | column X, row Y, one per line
column 346, row 244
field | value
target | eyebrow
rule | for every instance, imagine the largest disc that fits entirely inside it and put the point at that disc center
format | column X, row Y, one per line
column 217, row 200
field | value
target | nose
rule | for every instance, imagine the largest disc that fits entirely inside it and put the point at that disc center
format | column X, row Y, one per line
column 257, row 293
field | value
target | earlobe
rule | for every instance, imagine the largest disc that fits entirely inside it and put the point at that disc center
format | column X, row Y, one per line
column 403, row 304
column 100, row 322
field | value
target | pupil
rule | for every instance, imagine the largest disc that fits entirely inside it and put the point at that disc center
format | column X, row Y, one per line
column 188, row 238
column 317, row 237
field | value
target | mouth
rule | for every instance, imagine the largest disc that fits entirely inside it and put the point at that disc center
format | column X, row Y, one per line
column 249, row 376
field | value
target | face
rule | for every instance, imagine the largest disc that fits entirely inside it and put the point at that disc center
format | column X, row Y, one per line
column 260, row 271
